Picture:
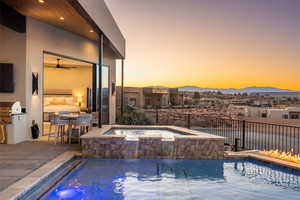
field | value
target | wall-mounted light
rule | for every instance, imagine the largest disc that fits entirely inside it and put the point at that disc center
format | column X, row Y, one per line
column 113, row 88
column 61, row 18
column 35, row 83
column 79, row 100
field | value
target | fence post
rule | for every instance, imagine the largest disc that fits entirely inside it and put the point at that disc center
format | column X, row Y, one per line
column 157, row 120
column 189, row 121
column 244, row 134
column 236, row 144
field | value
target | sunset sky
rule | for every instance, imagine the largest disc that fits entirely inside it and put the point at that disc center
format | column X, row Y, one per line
column 210, row 43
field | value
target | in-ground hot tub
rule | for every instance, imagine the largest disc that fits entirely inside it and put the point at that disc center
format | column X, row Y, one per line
column 168, row 142
column 135, row 133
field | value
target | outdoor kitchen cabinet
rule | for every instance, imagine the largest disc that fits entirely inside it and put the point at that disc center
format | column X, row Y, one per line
column 13, row 123
column 16, row 131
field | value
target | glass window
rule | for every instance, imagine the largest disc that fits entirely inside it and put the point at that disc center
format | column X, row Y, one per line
column 294, row 116
column 105, row 94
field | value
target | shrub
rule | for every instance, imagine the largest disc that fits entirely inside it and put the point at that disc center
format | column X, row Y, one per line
column 131, row 117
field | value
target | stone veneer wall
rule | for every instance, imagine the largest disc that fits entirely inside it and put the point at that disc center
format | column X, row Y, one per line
column 178, row 117
column 183, row 147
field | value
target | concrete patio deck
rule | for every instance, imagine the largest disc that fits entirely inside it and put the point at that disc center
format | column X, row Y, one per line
column 17, row 161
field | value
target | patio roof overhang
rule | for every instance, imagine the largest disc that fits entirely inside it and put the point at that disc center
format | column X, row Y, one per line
column 88, row 18
column 71, row 16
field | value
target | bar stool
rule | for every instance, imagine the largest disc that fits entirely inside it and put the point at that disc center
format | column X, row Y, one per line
column 82, row 124
column 51, row 120
column 59, row 129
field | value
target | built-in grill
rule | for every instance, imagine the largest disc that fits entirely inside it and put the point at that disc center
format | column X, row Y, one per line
column 5, row 108
column 7, row 111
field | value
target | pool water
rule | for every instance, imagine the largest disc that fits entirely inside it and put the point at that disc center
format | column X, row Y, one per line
column 135, row 133
column 151, row 179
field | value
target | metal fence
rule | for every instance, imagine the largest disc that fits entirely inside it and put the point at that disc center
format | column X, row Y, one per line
column 256, row 135
column 252, row 135
column 240, row 133
column 243, row 134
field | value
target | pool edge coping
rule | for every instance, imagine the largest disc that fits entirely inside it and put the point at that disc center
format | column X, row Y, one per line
column 22, row 186
column 99, row 133
column 254, row 154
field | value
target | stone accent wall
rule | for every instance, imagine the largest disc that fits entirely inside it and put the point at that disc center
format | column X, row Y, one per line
column 150, row 147
column 183, row 147
column 178, row 117
column 190, row 148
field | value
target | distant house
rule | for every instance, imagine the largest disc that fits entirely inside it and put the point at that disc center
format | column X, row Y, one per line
column 246, row 111
column 180, row 98
column 240, row 101
column 234, row 110
column 260, row 112
column 156, row 97
column 149, row 97
column 133, row 97
column 286, row 113
column 209, row 101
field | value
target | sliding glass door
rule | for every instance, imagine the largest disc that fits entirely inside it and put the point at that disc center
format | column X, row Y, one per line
column 105, row 91
column 105, row 94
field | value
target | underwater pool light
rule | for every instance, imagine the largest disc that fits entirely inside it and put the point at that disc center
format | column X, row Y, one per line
column 68, row 193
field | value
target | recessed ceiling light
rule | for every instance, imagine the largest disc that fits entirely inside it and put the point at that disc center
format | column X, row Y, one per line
column 91, row 31
column 61, row 18
column 41, row 1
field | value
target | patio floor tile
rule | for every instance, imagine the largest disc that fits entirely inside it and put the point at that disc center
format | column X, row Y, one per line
column 17, row 161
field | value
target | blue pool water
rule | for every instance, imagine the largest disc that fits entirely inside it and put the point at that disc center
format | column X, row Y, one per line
column 109, row 179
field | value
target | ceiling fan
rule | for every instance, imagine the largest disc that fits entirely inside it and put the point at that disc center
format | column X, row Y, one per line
column 60, row 66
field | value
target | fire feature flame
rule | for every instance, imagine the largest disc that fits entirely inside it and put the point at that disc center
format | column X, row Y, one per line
column 287, row 156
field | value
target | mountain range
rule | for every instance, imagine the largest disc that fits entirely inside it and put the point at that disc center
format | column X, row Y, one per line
column 248, row 90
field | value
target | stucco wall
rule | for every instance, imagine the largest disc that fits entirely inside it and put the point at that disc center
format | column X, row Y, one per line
column 112, row 98
column 101, row 15
column 13, row 50
column 43, row 37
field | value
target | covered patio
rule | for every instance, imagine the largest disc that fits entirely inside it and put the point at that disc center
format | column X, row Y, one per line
column 82, row 31
column 77, row 29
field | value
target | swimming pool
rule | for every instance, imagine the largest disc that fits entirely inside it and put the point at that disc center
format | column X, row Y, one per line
column 156, row 179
